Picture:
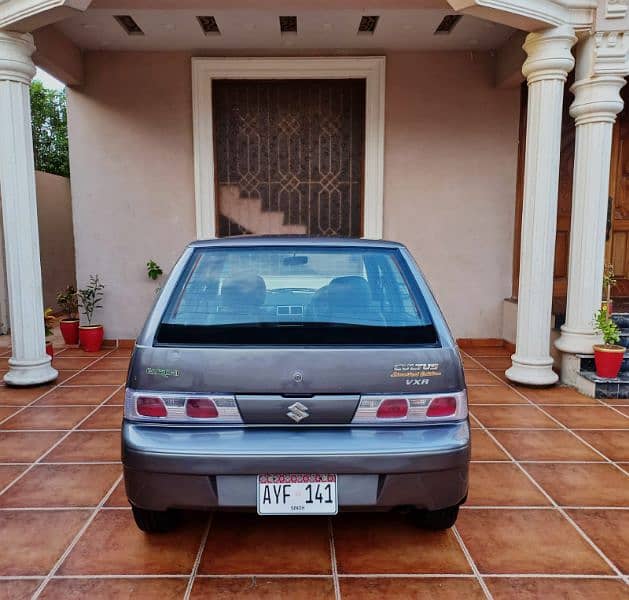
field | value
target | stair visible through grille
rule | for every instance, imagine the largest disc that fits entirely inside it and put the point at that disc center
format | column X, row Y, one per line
column 247, row 212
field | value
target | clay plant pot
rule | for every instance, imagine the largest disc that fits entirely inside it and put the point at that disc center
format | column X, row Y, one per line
column 70, row 331
column 91, row 337
column 50, row 350
column 608, row 359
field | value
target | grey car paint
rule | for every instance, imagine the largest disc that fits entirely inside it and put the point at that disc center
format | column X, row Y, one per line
column 266, row 379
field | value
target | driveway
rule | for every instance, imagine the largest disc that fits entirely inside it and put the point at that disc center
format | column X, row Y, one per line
column 547, row 516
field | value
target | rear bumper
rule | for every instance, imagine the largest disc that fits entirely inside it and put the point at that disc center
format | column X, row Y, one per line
column 190, row 467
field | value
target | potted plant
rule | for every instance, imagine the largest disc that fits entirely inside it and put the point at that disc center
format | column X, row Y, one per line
column 90, row 335
column 154, row 272
column 68, row 301
column 609, row 281
column 49, row 323
column 608, row 356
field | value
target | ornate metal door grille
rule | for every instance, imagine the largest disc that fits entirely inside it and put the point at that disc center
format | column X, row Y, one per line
column 289, row 156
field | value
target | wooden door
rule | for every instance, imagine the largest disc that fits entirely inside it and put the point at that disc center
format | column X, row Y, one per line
column 618, row 238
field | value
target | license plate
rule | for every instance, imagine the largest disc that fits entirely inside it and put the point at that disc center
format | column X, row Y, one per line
column 297, row 494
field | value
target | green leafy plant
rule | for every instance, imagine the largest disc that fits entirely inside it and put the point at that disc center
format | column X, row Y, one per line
column 604, row 325
column 68, row 301
column 91, row 297
column 153, row 270
column 50, row 129
column 49, row 322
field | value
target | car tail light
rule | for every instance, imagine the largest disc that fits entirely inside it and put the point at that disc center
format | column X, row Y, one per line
column 444, row 406
column 180, row 408
column 393, row 408
column 425, row 408
column 151, row 407
column 201, row 408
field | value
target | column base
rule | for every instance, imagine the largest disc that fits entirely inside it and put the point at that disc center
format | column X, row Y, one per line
column 531, row 373
column 577, row 342
column 30, row 372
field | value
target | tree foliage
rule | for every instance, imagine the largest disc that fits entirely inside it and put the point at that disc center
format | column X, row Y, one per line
column 50, row 129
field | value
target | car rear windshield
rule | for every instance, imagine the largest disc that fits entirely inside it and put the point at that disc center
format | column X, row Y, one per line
column 297, row 295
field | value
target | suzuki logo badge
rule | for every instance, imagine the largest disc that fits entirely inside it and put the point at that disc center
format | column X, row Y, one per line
column 297, row 412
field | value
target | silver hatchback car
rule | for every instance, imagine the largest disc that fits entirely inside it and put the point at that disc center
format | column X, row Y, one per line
column 295, row 376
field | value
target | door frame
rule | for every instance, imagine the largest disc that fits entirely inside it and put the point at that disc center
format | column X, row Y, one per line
column 369, row 68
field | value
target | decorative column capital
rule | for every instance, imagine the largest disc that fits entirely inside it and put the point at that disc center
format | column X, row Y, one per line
column 549, row 54
column 597, row 99
column 611, row 53
column 15, row 57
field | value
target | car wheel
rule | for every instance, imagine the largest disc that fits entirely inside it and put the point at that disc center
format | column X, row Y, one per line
column 436, row 520
column 153, row 521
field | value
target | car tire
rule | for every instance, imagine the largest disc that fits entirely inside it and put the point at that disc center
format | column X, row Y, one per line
column 436, row 520
column 153, row 521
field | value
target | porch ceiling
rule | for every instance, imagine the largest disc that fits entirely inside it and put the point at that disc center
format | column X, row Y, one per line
column 249, row 29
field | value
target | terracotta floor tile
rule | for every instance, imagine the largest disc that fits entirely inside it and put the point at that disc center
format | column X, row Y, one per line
column 582, row 484
column 291, row 546
column 47, row 417
column 423, row 588
column 484, row 448
column 63, row 376
column 528, row 588
column 118, row 497
column 492, row 394
column 9, row 472
column 87, row 446
column 26, row 446
column 7, row 411
column 500, row 374
column 389, row 543
column 552, row 444
column 117, row 399
column 61, row 485
column 480, row 378
column 502, row 484
column 613, row 444
column 249, row 588
column 78, row 352
column 98, row 378
column 11, row 396
column 112, row 544
column 106, row 589
column 555, row 395
column 106, row 417
column 609, row 530
column 110, row 364
column 72, row 363
column 526, row 541
column 121, row 352
column 88, row 395
column 470, row 364
column 487, row 351
column 18, row 589
column 33, row 540
column 588, row 417
column 512, row 417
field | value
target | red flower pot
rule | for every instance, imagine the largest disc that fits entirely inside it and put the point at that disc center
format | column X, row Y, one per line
column 70, row 331
column 608, row 359
column 91, row 337
column 49, row 349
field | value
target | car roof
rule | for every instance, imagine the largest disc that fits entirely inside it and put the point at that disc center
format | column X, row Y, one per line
column 294, row 240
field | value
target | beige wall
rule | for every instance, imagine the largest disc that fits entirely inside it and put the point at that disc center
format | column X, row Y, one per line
column 450, row 172
column 450, row 166
column 56, row 237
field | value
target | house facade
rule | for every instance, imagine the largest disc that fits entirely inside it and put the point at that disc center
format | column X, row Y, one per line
column 480, row 133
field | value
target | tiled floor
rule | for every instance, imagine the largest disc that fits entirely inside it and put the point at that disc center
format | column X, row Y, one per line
column 547, row 516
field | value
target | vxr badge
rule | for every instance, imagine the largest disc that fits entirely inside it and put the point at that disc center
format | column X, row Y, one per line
column 297, row 412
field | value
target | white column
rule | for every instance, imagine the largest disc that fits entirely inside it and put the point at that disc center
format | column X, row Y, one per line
column 597, row 102
column 29, row 363
column 546, row 69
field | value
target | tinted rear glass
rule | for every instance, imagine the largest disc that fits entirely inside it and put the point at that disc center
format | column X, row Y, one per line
column 296, row 295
